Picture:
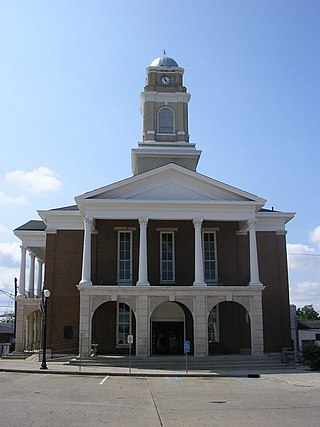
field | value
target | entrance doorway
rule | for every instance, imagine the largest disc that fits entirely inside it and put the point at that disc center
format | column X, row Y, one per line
column 167, row 337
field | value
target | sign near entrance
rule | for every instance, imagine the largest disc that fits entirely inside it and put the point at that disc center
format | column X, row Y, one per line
column 130, row 339
column 186, row 346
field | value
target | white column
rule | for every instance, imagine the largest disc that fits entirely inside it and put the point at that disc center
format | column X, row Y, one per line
column 39, row 278
column 86, row 258
column 143, row 256
column 254, row 268
column 22, row 280
column 31, row 275
column 198, row 258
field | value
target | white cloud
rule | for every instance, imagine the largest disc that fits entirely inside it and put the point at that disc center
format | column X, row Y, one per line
column 305, row 256
column 39, row 180
column 5, row 199
column 7, row 275
column 302, row 256
column 5, row 230
column 305, row 293
column 10, row 255
column 315, row 236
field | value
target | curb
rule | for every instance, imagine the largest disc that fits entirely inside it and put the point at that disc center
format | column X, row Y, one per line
column 132, row 374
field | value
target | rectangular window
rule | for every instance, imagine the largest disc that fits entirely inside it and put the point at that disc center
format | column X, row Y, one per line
column 209, row 257
column 167, row 273
column 123, row 324
column 124, row 257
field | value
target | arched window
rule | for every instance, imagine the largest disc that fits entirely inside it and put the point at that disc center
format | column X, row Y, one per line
column 165, row 120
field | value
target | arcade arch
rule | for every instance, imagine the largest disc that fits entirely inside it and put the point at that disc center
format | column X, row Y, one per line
column 229, row 329
column 111, row 324
column 171, row 324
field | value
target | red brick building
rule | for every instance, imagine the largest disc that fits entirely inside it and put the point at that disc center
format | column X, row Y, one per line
column 166, row 255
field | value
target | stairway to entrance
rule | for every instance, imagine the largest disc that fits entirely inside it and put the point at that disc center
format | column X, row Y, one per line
column 178, row 363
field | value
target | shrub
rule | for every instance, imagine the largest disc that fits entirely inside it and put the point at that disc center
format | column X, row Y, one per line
column 311, row 354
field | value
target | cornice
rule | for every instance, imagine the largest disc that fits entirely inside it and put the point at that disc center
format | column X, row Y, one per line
column 153, row 96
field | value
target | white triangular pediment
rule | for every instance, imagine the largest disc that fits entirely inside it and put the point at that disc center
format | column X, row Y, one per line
column 170, row 182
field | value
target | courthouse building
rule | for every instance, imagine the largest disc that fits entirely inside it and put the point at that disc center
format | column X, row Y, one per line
column 165, row 255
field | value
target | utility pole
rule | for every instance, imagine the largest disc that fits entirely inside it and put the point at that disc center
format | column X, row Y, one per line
column 15, row 309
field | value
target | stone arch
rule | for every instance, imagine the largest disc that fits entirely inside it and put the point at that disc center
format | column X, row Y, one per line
column 111, row 322
column 171, row 322
column 230, row 331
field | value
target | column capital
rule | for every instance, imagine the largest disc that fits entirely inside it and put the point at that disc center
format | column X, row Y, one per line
column 143, row 222
column 197, row 222
column 252, row 223
column 88, row 221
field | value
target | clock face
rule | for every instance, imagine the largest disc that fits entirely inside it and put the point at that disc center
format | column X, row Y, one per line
column 165, row 80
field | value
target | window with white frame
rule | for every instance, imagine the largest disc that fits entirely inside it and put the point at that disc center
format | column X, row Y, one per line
column 165, row 121
column 124, row 324
column 213, row 330
column 167, row 270
column 210, row 257
column 124, row 257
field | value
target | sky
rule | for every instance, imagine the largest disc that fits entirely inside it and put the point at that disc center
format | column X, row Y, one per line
column 71, row 74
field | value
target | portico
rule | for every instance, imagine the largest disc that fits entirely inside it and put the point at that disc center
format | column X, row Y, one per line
column 199, row 301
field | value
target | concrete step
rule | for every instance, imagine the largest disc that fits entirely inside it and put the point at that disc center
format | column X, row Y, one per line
column 16, row 356
column 179, row 362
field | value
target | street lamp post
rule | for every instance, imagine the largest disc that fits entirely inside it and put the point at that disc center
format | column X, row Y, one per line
column 46, row 294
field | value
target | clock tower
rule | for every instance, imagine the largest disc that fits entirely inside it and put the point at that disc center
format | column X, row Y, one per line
column 164, row 109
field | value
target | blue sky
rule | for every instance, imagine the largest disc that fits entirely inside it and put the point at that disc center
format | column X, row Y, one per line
column 71, row 71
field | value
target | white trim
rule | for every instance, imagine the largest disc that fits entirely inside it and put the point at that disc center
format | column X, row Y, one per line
column 214, row 282
column 125, row 344
column 170, row 97
column 32, row 238
column 171, row 171
column 127, row 282
column 173, row 257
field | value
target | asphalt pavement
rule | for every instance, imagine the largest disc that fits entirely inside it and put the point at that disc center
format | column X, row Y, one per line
column 31, row 397
column 297, row 374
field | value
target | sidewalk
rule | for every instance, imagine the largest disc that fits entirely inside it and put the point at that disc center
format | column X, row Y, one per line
column 300, row 375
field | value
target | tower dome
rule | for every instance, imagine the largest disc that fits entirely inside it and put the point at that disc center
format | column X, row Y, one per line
column 164, row 61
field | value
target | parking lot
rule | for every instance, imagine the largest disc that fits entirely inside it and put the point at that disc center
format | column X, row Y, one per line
column 33, row 399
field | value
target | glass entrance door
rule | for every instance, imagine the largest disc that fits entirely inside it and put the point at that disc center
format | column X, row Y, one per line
column 167, row 337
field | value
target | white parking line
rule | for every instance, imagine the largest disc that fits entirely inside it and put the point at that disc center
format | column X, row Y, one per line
column 170, row 381
column 39, row 377
column 104, row 379
column 180, row 381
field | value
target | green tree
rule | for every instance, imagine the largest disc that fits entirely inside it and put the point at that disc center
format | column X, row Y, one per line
column 311, row 354
column 307, row 313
